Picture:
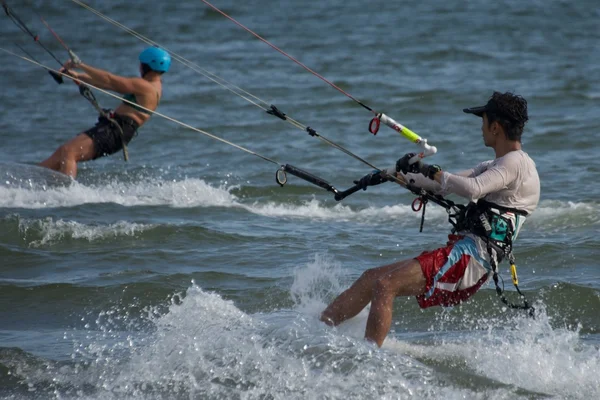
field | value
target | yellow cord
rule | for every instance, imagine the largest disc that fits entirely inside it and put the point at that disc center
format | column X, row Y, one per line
column 513, row 272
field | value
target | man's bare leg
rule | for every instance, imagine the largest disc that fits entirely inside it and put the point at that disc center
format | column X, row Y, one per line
column 406, row 279
column 66, row 157
column 353, row 300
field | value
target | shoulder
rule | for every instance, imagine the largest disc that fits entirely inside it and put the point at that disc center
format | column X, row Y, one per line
column 139, row 81
column 142, row 86
column 516, row 158
column 482, row 167
column 485, row 164
column 514, row 155
column 517, row 164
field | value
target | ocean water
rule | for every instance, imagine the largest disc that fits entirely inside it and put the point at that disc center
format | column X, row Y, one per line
column 188, row 273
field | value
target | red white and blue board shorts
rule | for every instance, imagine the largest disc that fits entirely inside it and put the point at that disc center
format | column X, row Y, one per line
column 453, row 273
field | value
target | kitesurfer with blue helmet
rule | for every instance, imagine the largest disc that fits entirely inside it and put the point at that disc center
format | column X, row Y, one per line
column 116, row 128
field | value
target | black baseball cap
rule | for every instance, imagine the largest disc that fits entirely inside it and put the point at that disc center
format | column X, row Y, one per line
column 503, row 105
column 490, row 107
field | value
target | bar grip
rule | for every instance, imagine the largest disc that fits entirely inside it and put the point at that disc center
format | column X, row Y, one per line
column 342, row 195
column 307, row 176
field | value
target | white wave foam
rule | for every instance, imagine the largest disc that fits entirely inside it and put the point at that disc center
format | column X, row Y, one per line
column 531, row 355
column 550, row 214
column 193, row 192
column 197, row 193
column 206, row 347
column 558, row 215
column 52, row 230
column 315, row 209
column 186, row 193
column 316, row 282
column 319, row 282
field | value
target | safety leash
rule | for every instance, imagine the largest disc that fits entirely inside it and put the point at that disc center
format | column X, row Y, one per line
column 515, row 280
column 420, row 203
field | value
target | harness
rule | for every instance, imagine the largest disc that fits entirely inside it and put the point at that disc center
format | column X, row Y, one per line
column 485, row 220
column 109, row 115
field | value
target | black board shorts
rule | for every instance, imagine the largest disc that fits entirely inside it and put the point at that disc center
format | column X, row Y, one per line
column 107, row 137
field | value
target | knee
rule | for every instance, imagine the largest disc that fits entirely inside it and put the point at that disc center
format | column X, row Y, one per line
column 62, row 152
column 373, row 279
column 65, row 152
column 384, row 286
column 369, row 275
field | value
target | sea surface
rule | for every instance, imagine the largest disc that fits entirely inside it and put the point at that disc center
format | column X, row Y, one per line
column 189, row 273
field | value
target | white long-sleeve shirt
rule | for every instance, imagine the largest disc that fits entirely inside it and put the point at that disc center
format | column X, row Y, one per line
column 510, row 181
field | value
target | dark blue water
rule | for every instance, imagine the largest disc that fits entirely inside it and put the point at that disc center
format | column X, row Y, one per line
column 189, row 273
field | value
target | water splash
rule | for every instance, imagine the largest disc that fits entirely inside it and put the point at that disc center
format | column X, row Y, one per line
column 206, row 347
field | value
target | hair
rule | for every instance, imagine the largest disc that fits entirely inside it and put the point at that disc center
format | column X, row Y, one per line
column 510, row 113
column 146, row 68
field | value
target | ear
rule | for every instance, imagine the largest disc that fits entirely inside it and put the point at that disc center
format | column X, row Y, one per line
column 495, row 127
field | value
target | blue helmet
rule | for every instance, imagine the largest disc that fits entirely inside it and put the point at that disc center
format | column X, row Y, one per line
column 158, row 59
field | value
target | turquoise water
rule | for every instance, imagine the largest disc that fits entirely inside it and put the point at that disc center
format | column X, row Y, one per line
column 189, row 273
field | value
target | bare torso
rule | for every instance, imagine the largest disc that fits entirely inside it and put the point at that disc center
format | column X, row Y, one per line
column 149, row 100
